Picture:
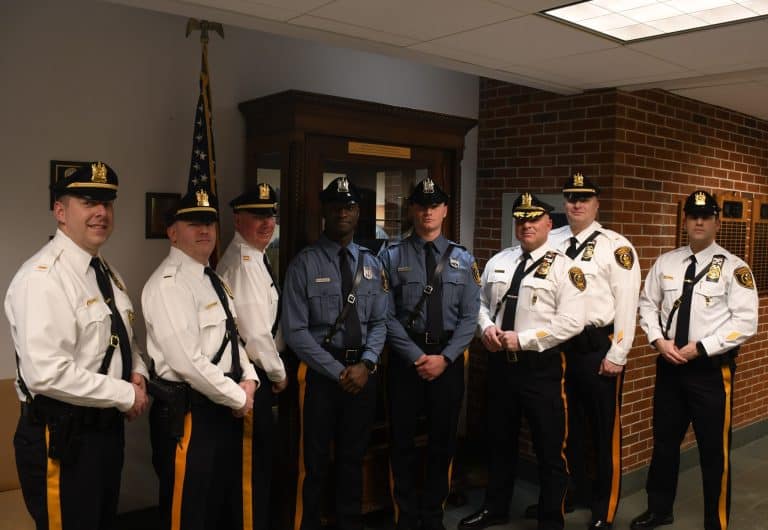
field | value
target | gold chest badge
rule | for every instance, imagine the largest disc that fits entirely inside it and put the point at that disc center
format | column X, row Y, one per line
column 543, row 270
column 715, row 268
column 589, row 251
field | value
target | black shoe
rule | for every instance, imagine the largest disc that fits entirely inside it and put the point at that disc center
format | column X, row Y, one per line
column 532, row 511
column 599, row 523
column 649, row 519
column 482, row 519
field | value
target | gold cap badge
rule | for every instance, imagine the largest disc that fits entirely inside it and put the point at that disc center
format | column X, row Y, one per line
column 202, row 198
column 700, row 199
column 526, row 200
column 99, row 173
column 263, row 191
column 578, row 180
column 342, row 185
column 429, row 185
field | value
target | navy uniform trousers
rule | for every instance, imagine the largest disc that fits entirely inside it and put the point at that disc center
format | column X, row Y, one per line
column 328, row 414
column 261, row 425
column 699, row 392
column 201, row 486
column 409, row 397
column 80, row 492
column 594, row 403
column 531, row 384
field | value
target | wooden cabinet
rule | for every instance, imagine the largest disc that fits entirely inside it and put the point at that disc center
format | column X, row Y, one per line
column 298, row 142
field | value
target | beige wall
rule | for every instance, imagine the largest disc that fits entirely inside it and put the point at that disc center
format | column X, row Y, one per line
column 86, row 80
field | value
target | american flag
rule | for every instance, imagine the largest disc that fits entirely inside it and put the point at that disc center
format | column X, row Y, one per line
column 202, row 169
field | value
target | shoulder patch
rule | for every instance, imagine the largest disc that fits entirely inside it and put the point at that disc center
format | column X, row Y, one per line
column 744, row 277
column 577, row 278
column 475, row 272
column 624, row 257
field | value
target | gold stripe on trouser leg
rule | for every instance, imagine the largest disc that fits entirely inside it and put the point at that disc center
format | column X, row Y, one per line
column 180, row 469
column 465, row 360
column 613, row 501
column 302, row 378
column 53, row 491
column 392, row 494
column 722, row 508
column 247, row 471
column 564, row 398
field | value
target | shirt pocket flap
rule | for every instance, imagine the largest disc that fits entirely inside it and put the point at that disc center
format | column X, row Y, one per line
column 95, row 310
column 211, row 315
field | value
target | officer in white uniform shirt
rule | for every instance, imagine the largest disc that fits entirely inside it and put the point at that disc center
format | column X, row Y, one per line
column 79, row 371
column 597, row 356
column 197, row 430
column 245, row 267
column 698, row 305
column 531, row 303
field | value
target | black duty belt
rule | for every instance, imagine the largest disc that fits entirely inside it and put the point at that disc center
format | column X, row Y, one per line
column 346, row 356
column 181, row 394
column 529, row 358
column 43, row 409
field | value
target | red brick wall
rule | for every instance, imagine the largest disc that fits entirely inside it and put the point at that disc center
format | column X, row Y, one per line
column 647, row 150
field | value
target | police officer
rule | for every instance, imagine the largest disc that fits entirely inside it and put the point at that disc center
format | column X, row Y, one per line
column 698, row 305
column 79, row 371
column 433, row 303
column 192, row 338
column 531, row 303
column 247, row 270
column 334, row 319
column 597, row 356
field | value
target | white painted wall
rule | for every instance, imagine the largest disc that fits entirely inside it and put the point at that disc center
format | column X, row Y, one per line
column 85, row 80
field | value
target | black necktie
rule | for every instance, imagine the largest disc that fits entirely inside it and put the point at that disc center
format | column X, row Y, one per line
column 573, row 249
column 236, row 370
column 684, row 314
column 353, row 336
column 435, row 300
column 118, row 326
column 277, row 288
column 508, row 320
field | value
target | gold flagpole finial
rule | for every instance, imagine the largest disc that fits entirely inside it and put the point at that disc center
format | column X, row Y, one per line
column 204, row 26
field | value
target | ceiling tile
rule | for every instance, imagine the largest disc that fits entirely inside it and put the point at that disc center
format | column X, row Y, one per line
column 423, row 20
column 609, row 68
column 254, row 9
column 748, row 98
column 352, row 31
column 525, row 40
column 711, row 50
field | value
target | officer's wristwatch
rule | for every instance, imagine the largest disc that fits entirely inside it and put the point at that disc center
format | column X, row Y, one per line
column 370, row 365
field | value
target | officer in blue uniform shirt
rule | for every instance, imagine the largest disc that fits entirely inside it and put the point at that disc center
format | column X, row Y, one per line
column 434, row 299
column 334, row 320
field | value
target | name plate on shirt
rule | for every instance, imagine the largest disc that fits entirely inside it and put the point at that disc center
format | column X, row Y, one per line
column 322, row 280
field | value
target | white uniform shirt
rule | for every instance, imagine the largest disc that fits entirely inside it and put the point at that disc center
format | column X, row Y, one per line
column 61, row 328
column 549, row 310
column 612, row 288
column 256, row 300
column 723, row 312
column 186, row 324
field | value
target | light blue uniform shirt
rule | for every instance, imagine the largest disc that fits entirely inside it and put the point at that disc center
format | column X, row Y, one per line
column 312, row 300
column 404, row 265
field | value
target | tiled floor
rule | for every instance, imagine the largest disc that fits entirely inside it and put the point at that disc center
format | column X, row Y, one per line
column 749, row 499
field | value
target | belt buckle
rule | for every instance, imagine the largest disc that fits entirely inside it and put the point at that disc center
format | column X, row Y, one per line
column 429, row 339
column 512, row 356
column 350, row 356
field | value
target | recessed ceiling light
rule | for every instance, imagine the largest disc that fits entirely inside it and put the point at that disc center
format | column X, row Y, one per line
column 629, row 20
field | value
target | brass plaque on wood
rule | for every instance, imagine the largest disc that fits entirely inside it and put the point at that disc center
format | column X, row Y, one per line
column 389, row 151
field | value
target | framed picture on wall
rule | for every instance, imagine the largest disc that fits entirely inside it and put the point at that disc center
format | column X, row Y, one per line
column 63, row 168
column 156, row 205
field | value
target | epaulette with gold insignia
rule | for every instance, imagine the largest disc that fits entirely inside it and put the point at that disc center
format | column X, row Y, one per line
column 546, row 264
